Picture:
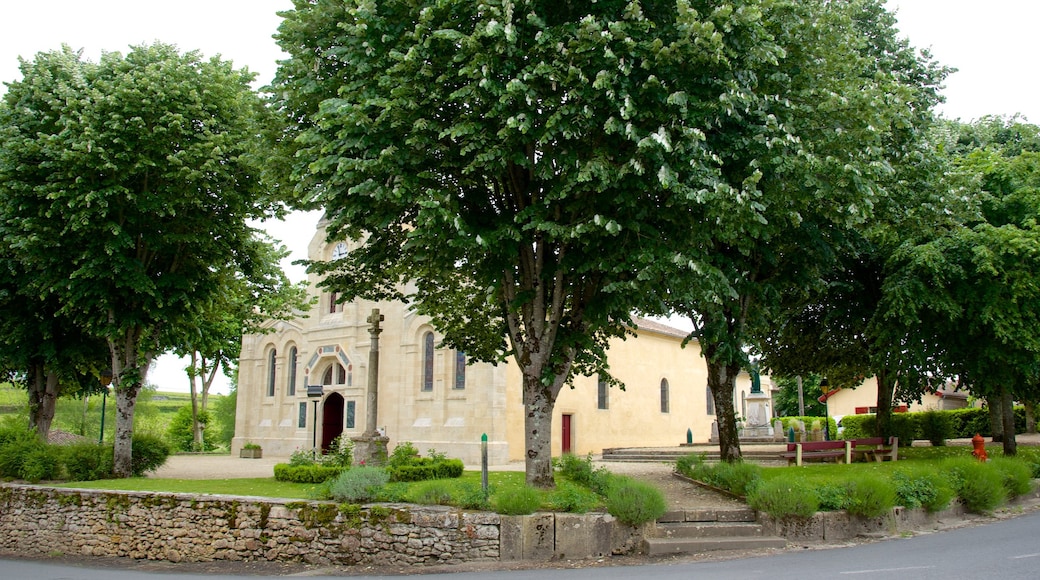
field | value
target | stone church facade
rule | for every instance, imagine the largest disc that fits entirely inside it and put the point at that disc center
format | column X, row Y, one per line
column 432, row 397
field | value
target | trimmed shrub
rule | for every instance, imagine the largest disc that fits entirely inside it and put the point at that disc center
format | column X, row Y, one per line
column 634, row 502
column 87, row 461
column 979, row 486
column 923, row 488
column 306, row 473
column 936, row 427
column 783, row 498
column 424, row 468
column 41, row 462
column 359, row 484
column 870, row 497
column 1017, row 475
column 148, row 453
column 519, row 501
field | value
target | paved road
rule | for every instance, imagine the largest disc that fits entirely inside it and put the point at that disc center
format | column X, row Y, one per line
column 1008, row 550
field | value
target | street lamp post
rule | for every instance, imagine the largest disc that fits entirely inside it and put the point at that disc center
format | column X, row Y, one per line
column 315, row 392
column 106, row 379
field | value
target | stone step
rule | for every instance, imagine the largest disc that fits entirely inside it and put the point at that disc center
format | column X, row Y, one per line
column 664, row 546
column 708, row 530
column 735, row 514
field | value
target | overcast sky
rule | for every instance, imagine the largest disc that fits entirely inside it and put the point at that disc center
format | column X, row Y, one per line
column 991, row 44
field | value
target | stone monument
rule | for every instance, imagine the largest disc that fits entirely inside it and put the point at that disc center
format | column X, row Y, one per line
column 370, row 446
column 756, row 424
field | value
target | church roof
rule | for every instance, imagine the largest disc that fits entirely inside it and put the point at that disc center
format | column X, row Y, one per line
column 658, row 327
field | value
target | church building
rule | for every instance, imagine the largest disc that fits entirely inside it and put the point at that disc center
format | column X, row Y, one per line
column 434, row 398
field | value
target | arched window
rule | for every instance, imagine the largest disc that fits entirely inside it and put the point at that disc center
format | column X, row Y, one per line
column 427, row 362
column 291, row 387
column 460, row 369
column 664, row 395
column 271, row 356
column 602, row 394
column 711, row 402
column 334, row 375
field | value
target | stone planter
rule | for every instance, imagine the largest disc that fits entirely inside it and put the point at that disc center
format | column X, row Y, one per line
column 251, row 453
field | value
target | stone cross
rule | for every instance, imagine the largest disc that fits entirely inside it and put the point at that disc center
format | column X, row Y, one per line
column 373, row 375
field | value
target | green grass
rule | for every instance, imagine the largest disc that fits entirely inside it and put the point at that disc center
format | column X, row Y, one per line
column 253, row 486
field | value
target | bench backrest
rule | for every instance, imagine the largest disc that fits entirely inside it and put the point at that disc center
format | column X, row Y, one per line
column 817, row 445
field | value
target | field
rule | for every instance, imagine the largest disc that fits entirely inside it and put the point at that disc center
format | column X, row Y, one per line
column 154, row 412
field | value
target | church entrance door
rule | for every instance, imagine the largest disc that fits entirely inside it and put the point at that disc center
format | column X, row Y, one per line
column 331, row 420
column 567, row 433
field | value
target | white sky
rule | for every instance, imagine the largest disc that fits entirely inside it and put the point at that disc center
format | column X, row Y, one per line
column 990, row 43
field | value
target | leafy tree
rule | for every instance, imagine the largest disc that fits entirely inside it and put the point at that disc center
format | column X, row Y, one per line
column 40, row 350
column 816, row 142
column 215, row 341
column 786, row 400
column 975, row 289
column 126, row 185
column 549, row 167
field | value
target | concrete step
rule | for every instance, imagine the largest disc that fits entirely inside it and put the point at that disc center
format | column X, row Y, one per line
column 708, row 530
column 663, row 546
column 735, row 514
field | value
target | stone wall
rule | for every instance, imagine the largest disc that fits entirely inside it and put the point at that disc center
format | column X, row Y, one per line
column 36, row 520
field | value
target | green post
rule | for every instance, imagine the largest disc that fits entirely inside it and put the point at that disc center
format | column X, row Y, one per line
column 483, row 464
column 689, row 437
column 790, row 434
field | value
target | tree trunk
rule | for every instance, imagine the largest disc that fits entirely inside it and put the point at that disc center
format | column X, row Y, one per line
column 1007, row 413
column 886, row 389
column 539, row 401
column 996, row 422
column 196, row 425
column 1030, row 407
column 43, row 399
column 128, row 376
column 722, row 380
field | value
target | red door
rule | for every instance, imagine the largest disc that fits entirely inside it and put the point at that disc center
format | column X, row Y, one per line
column 566, row 433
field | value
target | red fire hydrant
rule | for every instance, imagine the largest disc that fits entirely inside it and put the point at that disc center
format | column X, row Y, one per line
column 980, row 448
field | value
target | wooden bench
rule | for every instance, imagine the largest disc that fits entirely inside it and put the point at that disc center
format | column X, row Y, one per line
column 876, row 448
column 818, row 450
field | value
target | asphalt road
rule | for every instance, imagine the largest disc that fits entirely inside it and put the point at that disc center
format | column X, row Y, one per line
column 1008, row 550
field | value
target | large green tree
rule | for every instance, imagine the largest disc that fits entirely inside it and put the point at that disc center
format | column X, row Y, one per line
column 975, row 289
column 551, row 166
column 126, row 186
column 816, row 142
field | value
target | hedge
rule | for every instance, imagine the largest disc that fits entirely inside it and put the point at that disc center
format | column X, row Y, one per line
column 314, row 473
column 959, row 424
column 423, row 468
column 789, row 422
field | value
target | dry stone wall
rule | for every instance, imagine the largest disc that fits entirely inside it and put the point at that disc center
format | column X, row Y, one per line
column 179, row 527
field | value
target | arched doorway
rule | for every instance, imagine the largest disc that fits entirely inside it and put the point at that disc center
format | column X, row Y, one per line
column 331, row 420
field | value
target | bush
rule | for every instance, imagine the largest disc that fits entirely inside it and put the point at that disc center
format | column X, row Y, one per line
column 148, row 453
column 305, row 473
column 694, row 467
column 404, row 464
column 936, row 427
column 979, row 486
column 832, row 496
column 1017, row 475
column 180, row 435
column 737, row 477
column 783, row 497
column 340, row 454
column 41, row 462
column 433, row 492
column 520, row 501
column 359, row 484
column 16, row 445
column 471, row 496
column 870, row 497
column 580, row 471
column 634, row 502
column 87, row 461
column 923, row 488
column 573, row 498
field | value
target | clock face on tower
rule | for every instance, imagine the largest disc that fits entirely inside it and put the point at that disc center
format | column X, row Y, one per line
column 339, row 251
